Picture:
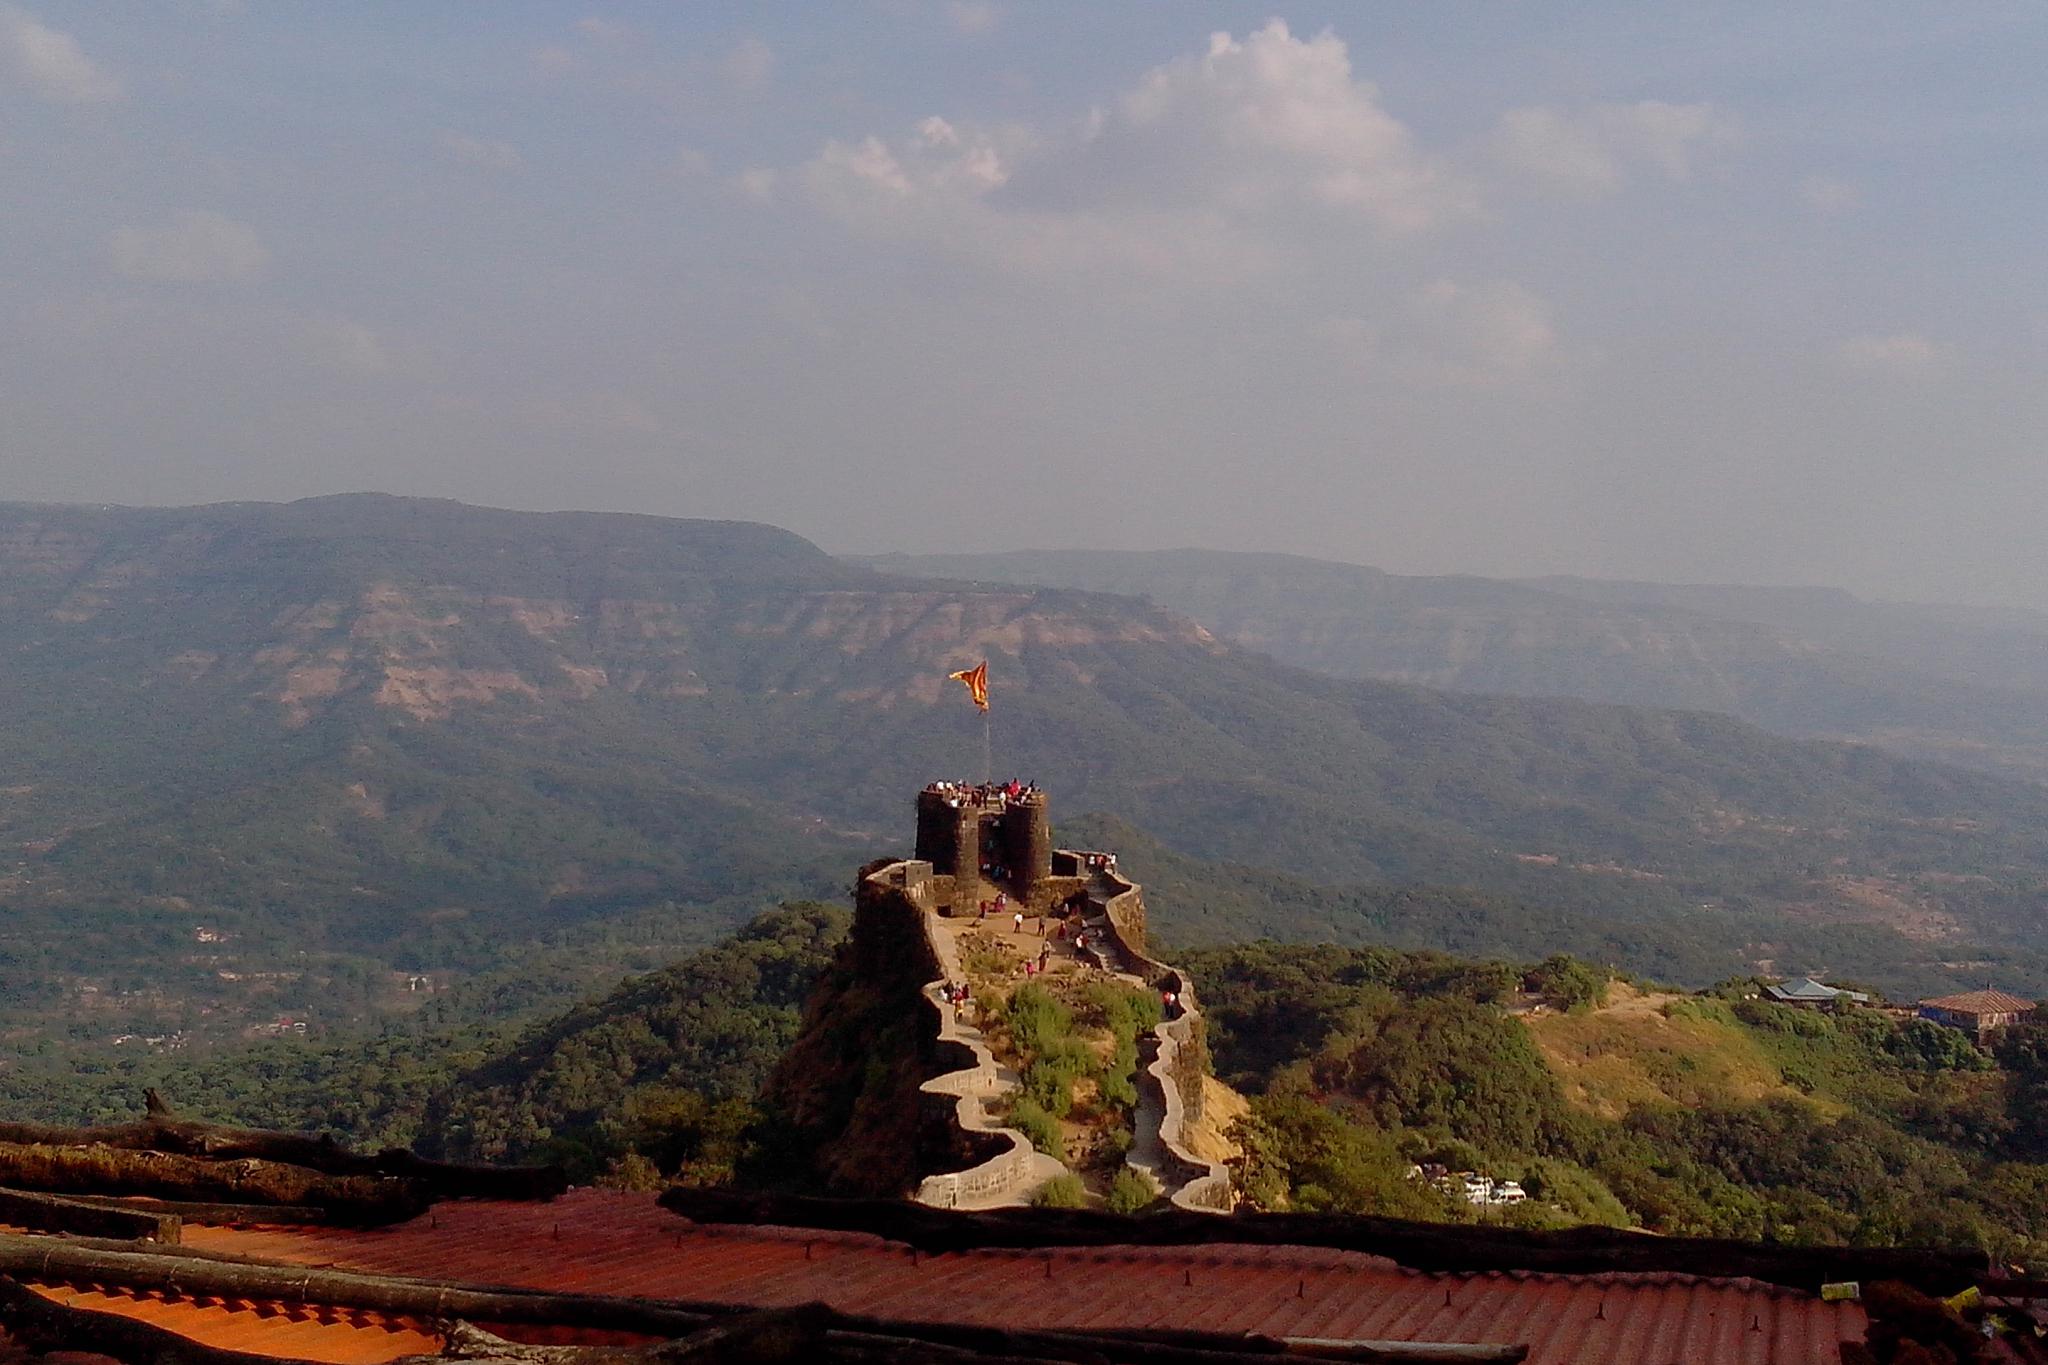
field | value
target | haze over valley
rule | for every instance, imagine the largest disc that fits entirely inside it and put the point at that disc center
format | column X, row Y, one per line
column 285, row 759
column 661, row 661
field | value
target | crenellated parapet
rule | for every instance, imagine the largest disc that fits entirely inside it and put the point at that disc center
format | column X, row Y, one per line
column 983, row 840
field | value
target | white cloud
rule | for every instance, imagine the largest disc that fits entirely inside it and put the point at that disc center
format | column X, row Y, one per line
column 483, row 152
column 1205, row 165
column 1594, row 148
column 1276, row 121
column 758, row 183
column 749, row 65
column 1905, row 355
column 690, row 160
column 974, row 17
column 1827, row 194
column 195, row 246
column 51, row 63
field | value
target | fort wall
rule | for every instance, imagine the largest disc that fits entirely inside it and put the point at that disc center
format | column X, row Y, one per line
column 1178, row 1049
column 929, row 1131
column 988, row 1162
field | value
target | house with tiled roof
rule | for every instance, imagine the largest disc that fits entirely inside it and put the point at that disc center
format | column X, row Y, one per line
column 1977, row 1012
column 1808, row 993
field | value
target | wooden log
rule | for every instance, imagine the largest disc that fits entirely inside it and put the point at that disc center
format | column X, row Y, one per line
column 361, row 1200
column 87, row 1217
column 180, row 1137
column 1420, row 1246
column 213, row 1215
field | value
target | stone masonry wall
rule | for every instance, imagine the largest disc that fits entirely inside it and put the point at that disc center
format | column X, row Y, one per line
column 1174, row 1078
column 1000, row 1159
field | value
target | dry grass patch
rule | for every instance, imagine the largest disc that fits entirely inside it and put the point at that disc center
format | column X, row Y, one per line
column 1648, row 1048
column 1221, row 1107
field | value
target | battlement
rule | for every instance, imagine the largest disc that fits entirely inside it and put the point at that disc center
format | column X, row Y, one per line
column 986, row 840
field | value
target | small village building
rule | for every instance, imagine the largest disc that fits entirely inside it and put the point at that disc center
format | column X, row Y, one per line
column 1977, row 1012
column 1807, row 993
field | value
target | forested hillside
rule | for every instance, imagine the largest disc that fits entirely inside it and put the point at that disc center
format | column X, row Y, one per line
column 652, row 1065
column 1717, row 1115
column 316, row 763
column 1957, row 684
column 1610, row 1101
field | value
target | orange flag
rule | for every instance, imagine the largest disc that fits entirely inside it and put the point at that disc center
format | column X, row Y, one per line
column 976, row 679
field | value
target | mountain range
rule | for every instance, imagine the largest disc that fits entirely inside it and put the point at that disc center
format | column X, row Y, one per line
column 300, row 757
column 1958, row 684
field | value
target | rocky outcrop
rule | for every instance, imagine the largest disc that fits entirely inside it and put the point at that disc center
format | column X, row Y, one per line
column 886, row 1090
column 848, row 1098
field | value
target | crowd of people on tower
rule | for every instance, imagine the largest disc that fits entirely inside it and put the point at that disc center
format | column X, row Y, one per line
column 960, row 794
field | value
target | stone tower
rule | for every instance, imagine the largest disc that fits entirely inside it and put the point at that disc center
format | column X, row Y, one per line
column 960, row 830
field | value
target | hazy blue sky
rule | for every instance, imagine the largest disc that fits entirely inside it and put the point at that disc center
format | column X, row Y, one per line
column 1728, row 292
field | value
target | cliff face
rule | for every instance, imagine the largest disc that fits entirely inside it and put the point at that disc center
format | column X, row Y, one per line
column 846, row 1095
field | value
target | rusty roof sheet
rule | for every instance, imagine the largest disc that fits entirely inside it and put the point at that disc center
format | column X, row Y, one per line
column 1980, row 1002
column 339, row 1336
column 605, row 1242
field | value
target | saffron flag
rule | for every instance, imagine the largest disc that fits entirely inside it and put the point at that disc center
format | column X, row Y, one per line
column 976, row 679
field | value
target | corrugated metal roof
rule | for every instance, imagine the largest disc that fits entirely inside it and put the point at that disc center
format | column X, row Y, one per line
column 340, row 1336
column 611, row 1243
column 1980, row 1002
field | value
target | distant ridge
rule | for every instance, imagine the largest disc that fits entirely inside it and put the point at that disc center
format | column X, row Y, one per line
column 402, row 736
column 1964, row 685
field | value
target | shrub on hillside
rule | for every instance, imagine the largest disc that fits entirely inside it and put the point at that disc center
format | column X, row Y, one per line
column 1049, row 1079
column 1029, row 1118
column 1131, row 1191
column 1061, row 1192
column 1036, row 1020
column 1568, row 983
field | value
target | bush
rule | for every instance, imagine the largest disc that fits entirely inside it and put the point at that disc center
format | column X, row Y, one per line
column 1036, row 1020
column 1029, row 1118
column 1131, row 1191
column 1126, row 1013
column 1061, row 1192
column 1569, row 983
column 1049, row 1079
column 632, row 1172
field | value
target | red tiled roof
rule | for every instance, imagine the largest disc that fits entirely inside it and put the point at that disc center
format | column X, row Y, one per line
column 604, row 1242
column 1980, row 1002
column 339, row 1336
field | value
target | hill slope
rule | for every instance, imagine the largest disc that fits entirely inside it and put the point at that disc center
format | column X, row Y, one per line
column 1955, row 684
column 395, row 735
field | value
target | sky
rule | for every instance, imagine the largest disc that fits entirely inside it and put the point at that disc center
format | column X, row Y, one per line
column 1733, row 293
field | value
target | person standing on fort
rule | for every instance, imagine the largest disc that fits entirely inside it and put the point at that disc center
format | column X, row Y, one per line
column 1018, row 920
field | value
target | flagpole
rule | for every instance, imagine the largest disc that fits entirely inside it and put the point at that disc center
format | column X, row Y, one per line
column 987, row 765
